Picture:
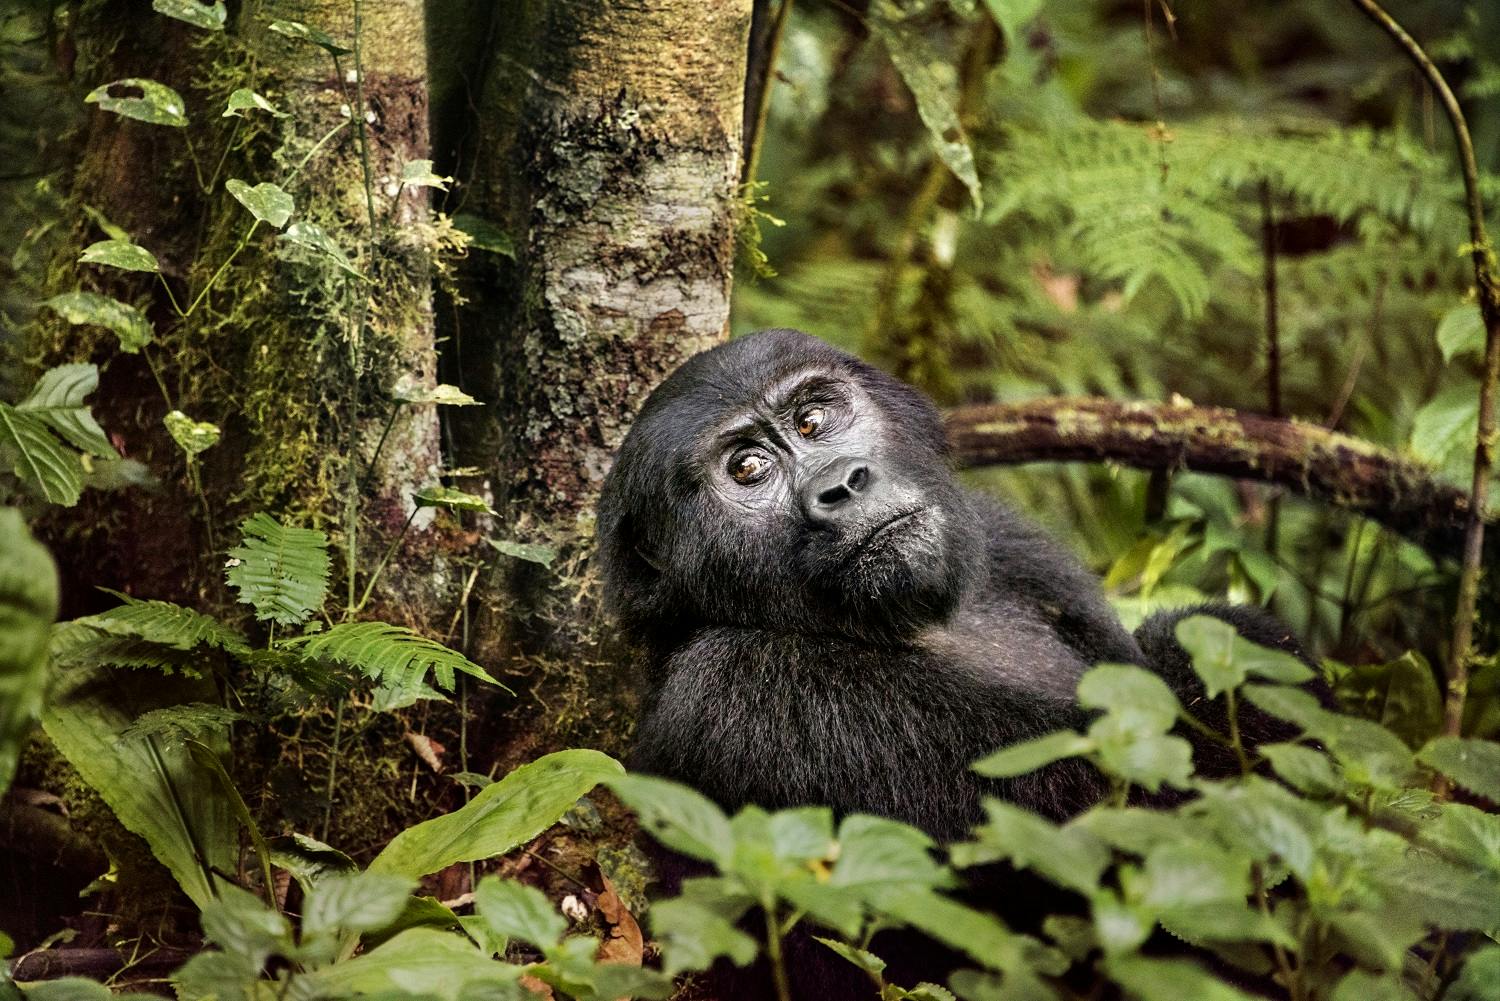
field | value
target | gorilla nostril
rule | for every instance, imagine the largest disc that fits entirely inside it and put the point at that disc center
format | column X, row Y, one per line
column 833, row 495
column 858, row 478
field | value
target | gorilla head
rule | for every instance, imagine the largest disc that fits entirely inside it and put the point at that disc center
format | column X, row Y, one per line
column 776, row 479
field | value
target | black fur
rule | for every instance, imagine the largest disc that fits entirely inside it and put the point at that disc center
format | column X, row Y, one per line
column 798, row 653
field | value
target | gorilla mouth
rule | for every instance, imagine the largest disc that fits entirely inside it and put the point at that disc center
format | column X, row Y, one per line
column 879, row 531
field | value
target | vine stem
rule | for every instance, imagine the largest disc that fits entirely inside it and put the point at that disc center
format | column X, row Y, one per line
column 1487, row 285
column 389, row 552
column 773, row 952
column 763, row 109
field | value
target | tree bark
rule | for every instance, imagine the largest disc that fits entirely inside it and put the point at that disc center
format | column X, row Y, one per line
column 1306, row 458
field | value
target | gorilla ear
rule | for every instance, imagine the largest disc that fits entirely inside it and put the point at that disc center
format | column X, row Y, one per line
column 647, row 558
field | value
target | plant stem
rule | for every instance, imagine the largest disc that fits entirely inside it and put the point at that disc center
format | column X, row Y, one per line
column 333, row 770
column 390, row 422
column 773, row 951
column 208, row 514
column 1273, row 340
column 1283, row 962
column 1487, row 284
column 244, row 242
column 389, row 552
column 763, row 109
column 286, row 182
column 1234, row 731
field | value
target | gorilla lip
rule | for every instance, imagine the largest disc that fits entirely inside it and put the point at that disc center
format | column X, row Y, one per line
column 881, row 529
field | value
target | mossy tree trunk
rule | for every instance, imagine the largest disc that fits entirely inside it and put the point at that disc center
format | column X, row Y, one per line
column 606, row 149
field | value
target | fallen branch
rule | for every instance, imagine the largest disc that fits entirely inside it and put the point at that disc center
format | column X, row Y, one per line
column 97, row 964
column 1311, row 460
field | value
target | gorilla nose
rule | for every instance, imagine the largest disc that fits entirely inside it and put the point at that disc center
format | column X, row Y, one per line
column 831, row 493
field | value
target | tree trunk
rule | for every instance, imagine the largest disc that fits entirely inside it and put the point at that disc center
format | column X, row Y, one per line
column 610, row 139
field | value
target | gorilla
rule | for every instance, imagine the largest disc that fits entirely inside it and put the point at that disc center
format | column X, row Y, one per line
column 828, row 618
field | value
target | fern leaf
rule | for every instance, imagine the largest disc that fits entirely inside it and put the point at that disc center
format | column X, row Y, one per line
column 166, row 624
column 281, row 572
column 175, row 724
column 76, row 645
column 392, row 655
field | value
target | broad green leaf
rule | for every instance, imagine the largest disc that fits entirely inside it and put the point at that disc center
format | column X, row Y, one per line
column 1149, row 979
column 241, row 924
column 158, row 792
column 355, row 902
column 932, row 82
column 978, row 935
column 167, row 624
column 1472, row 764
column 1466, row 834
column 450, row 499
column 1029, row 755
column 530, row 552
column 393, row 655
column 282, row 572
column 1223, row 658
column 1478, row 976
column 421, row 963
column 57, row 399
column 244, row 99
column 1461, row 331
column 1013, row 15
column 501, row 816
column 1138, row 830
column 418, row 174
column 127, row 322
column 75, row 989
column 312, row 237
column 1140, row 700
column 1068, row 856
column 1016, row 985
column 209, row 17
column 485, row 235
column 875, row 851
column 1182, row 874
column 1263, row 820
column 1304, row 769
column 1401, row 695
column 921, row 992
column 38, row 459
column 266, row 201
column 682, row 819
column 700, row 926
column 1362, row 985
column 193, row 437
column 518, row 911
column 305, row 33
column 1145, row 759
column 802, row 834
column 1447, row 423
column 157, row 104
column 28, row 604
column 122, row 254
column 309, row 860
column 408, row 391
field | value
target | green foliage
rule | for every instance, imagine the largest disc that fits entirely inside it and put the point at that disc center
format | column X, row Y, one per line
column 91, row 308
column 122, row 254
column 266, row 201
column 28, row 604
column 281, row 572
column 393, row 656
column 157, row 104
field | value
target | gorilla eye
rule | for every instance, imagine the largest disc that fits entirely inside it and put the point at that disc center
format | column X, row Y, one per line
column 749, row 467
column 811, row 420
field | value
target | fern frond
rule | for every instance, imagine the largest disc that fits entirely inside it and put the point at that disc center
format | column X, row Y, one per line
column 76, row 645
column 281, row 572
column 391, row 655
column 166, row 624
column 174, row 724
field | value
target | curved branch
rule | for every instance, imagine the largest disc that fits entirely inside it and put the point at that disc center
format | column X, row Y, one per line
column 1306, row 458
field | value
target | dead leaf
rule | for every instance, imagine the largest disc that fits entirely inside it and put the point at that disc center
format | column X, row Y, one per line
column 535, row 986
column 429, row 750
column 623, row 941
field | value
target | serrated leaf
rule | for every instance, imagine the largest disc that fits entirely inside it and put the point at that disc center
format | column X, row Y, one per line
column 861, row 958
column 157, row 103
column 485, row 235
column 392, row 655
column 39, row 459
column 527, row 551
column 450, row 499
column 418, row 174
column 305, row 33
column 310, row 236
column 266, row 201
column 122, row 254
column 693, row 935
column 682, row 819
column 209, row 17
column 28, row 604
column 408, row 391
column 245, row 99
column 193, row 437
column 1029, row 755
column 518, row 911
column 1304, row 769
column 91, row 308
column 931, row 81
column 1149, row 979
column 1068, row 856
column 165, row 624
column 501, row 816
column 1472, row 764
column 282, row 572
column 1138, row 699
column 1223, row 658
column 1461, row 331
column 57, row 399
column 355, row 902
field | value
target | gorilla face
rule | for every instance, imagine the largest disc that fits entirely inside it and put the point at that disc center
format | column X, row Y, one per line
column 775, row 479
